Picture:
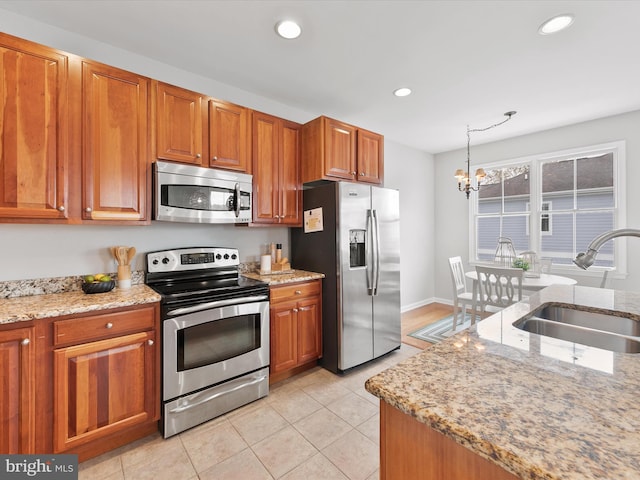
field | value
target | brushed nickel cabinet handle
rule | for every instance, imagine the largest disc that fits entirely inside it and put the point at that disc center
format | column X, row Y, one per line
column 109, row 325
column 298, row 292
column 198, row 155
column 61, row 208
column 295, row 310
column 362, row 174
column 88, row 210
column 352, row 173
column 149, row 342
column 25, row 342
column 215, row 158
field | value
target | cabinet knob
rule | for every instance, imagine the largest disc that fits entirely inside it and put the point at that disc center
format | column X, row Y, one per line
column 198, row 155
column 353, row 173
column 276, row 216
column 362, row 174
column 295, row 310
column 25, row 342
column 298, row 292
column 88, row 210
column 149, row 342
column 109, row 325
column 61, row 208
column 214, row 158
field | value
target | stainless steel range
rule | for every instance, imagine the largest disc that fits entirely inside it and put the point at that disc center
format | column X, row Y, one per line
column 215, row 334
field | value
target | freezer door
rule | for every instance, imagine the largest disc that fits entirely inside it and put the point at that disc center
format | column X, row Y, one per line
column 355, row 327
column 385, row 205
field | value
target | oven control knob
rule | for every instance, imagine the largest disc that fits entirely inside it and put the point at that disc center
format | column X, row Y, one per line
column 226, row 256
column 218, row 256
column 233, row 256
column 165, row 260
column 155, row 262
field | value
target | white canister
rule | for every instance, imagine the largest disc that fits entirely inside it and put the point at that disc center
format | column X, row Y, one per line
column 265, row 264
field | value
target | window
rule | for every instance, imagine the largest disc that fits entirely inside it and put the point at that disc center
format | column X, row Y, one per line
column 566, row 199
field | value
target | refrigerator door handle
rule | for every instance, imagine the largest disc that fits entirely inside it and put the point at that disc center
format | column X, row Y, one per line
column 369, row 251
column 376, row 252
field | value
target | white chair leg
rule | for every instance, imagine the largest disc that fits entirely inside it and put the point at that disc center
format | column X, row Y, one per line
column 455, row 316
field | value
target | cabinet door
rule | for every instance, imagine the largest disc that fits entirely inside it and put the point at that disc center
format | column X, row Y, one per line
column 179, row 118
column 17, row 396
column 284, row 337
column 229, row 139
column 115, row 144
column 340, row 150
column 102, row 388
column 33, row 131
column 289, row 176
column 309, row 330
column 370, row 157
column 265, row 133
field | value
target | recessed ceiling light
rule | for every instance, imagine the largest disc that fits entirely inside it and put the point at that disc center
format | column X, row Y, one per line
column 555, row 24
column 288, row 29
column 402, row 92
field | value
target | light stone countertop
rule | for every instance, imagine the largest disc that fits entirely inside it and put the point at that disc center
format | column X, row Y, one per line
column 283, row 278
column 19, row 309
column 538, row 407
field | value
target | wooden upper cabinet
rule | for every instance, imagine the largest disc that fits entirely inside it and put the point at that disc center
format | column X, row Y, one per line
column 276, row 170
column 229, row 136
column 290, row 183
column 370, row 160
column 115, row 139
column 180, row 115
column 34, row 129
column 334, row 150
column 17, row 396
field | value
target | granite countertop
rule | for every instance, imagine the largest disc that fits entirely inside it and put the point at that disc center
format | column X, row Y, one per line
column 19, row 309
column 538, row 407
column 282, row 278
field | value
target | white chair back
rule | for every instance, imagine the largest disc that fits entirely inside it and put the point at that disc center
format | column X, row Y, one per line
column 457, row 276
column 499, row 287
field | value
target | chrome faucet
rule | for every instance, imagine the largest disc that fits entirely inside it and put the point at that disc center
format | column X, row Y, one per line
column 585, row 260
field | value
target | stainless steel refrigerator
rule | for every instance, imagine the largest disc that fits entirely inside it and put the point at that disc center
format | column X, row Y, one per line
column 351, row 234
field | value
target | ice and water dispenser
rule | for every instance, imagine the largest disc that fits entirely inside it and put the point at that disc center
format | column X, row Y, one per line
column 357, row 252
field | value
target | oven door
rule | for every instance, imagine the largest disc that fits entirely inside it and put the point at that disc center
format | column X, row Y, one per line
column 212, row 345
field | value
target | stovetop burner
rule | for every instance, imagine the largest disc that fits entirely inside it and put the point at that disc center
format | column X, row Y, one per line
column 195, row 275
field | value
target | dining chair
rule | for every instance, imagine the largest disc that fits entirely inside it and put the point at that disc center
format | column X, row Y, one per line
column 460, row 294
column 499, row 287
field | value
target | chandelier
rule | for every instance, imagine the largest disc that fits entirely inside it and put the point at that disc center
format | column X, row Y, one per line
column 464, row 177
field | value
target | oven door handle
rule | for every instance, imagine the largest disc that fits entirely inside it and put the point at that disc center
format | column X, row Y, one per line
column 216, row 304
column 218, row 394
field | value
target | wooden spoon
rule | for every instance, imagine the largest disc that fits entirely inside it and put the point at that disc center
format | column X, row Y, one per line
column 131, row 254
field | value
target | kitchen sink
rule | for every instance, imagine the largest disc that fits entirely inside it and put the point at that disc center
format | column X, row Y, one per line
column 609, row 332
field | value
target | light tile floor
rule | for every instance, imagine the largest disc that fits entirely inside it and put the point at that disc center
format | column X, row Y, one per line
column 315, row 426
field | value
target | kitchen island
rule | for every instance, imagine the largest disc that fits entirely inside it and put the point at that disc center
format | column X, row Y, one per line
column 521, row 404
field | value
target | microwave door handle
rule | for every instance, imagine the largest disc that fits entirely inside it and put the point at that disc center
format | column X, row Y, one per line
column 237, row 203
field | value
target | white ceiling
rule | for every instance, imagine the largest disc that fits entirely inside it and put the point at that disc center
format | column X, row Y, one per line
column 467, row 62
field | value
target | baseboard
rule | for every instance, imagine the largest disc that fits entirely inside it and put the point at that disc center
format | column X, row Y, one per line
column 422, row 303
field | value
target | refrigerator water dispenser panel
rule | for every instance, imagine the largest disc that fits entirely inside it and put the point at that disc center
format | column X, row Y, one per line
column 357, row 252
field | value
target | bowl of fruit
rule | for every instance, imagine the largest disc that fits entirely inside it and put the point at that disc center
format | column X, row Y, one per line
column 99, row 283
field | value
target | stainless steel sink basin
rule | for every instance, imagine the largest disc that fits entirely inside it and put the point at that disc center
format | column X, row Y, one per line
column 609, row 332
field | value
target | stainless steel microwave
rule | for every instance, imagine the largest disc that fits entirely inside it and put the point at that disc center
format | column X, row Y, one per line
column 186, row 193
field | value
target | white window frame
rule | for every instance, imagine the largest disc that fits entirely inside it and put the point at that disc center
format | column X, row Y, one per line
column 618, row 149
column 542, row 212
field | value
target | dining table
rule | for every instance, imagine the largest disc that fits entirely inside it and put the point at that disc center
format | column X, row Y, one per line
column 528, row 283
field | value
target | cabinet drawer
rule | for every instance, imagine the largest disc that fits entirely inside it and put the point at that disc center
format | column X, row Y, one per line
column 83, row 329
column 295, row 290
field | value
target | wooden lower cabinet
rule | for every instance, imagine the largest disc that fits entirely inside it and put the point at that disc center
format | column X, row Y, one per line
column 105, row 380
column 102, row 387
column 17, row 395
column 96, row 386
column 296, row 328
column 411, row 449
